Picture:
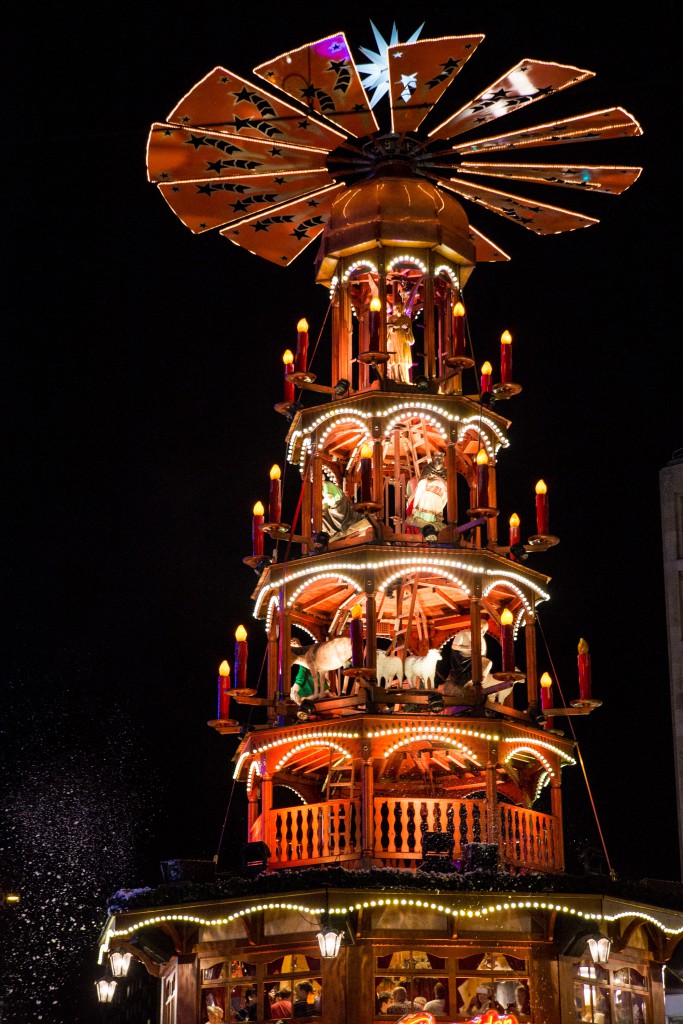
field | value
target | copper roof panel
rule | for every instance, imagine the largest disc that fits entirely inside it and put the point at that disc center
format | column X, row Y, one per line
column 281, row 235
column 224, row 102
column 611, row 123
column 590, row 178
column 203, row 205
column 526, row 83
column 421, row 72
column 185, row 154
column 324, row 77
column 537, row 217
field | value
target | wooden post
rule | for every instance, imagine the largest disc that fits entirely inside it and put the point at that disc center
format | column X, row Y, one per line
column 493, row 820
column 266, row 807
column 252, row 809
column 187, row 997
column 399, row 498
column 370, row 627
column 382, row 295
column 531, row 666
column 306, row 506
column 345, row 328
column 492, row 523
column 273, row 690
column 377, row 477
column 556, row 811
column 368, row 808
column 475, row 629
column 284, row 646
column 317, row 490
column 452, row 479
column 428, row 315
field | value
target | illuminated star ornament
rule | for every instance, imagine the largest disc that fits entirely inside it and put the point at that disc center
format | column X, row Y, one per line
column 264, row 163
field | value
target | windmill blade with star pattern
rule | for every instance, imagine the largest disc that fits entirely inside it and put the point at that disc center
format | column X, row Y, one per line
column 528, row 82
column 611, row 123
column 282, row 233
column 224, row 102
column 541, row 218
column 323, row 76
column 420, row 73
column 588, row 177
column 203, row 205
column 184, row 154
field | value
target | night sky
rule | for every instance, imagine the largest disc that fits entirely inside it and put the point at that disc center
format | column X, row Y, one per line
column 142, row 364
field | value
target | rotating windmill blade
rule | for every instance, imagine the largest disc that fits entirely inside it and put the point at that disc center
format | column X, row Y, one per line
column 266, row 171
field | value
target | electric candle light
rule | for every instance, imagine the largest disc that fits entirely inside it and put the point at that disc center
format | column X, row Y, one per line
column 514, row 529
column 506, row 640
column 366, row 472
column 288, row 360
column 584, row 671
column 224, row 691
column 482, row 478
column 256, row 532
column 505, row 357
column 356, row 635
column 486, row 372
column 459, row 329
column 542, row 508
column 546, row 694
column 275, row 496
column 301, row 362
column 375, row 307
column 241, row 652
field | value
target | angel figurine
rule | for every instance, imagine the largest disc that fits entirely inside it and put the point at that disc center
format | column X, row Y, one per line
column 399, row 340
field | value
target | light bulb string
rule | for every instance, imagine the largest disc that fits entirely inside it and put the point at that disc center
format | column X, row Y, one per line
column 578, row 750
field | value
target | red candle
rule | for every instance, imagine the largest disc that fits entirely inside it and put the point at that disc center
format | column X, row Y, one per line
column 482, row 479
column 507, row 642
column 288, row 360
column 506, row 357
column 459, row 329
column 224, row 690
column 275, row 496
column 375, row 307
column 301, row 362
column 241, row 652
column 514, row 529
column 584, row 671
column 256, row 531
column 356, row 634
column 542, row 508
column 366, row 472
column 486, row 372
column 546, row 696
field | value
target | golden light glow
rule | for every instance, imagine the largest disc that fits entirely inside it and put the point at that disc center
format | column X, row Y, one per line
column 482, row 457
column 506, row 338
column 259, row 509
column 583, row 646
column 375, row 305
column 356, row 611
column 275, row 473
column 487, row 368
column 506, row 617
column 514, row 520
column 302, row 326
column 541, row 487
column 546, row 680
column 240, row 634
column 288, row 357
column 12, row 897
column 366, row 451
column 224, row 669
column 458, row 309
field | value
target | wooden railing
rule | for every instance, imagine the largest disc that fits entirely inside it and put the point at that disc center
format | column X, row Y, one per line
column 310, row 834
column 315, row 833
column 530, row 839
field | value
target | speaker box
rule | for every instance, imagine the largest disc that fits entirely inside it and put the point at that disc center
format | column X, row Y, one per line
column 254, row 858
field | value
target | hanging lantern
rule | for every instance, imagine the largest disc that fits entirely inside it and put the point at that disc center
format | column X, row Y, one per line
column 105, row 990
column 599, row 949
column 119, row 963
column 329, row 940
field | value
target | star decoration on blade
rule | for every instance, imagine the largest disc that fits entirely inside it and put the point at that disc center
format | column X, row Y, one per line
column 236, row 156
column 376, row 80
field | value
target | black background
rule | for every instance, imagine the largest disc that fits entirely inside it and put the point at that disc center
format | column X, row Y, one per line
column 141, row 368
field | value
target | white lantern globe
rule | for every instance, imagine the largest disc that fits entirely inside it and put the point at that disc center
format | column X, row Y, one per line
column 105, row 990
